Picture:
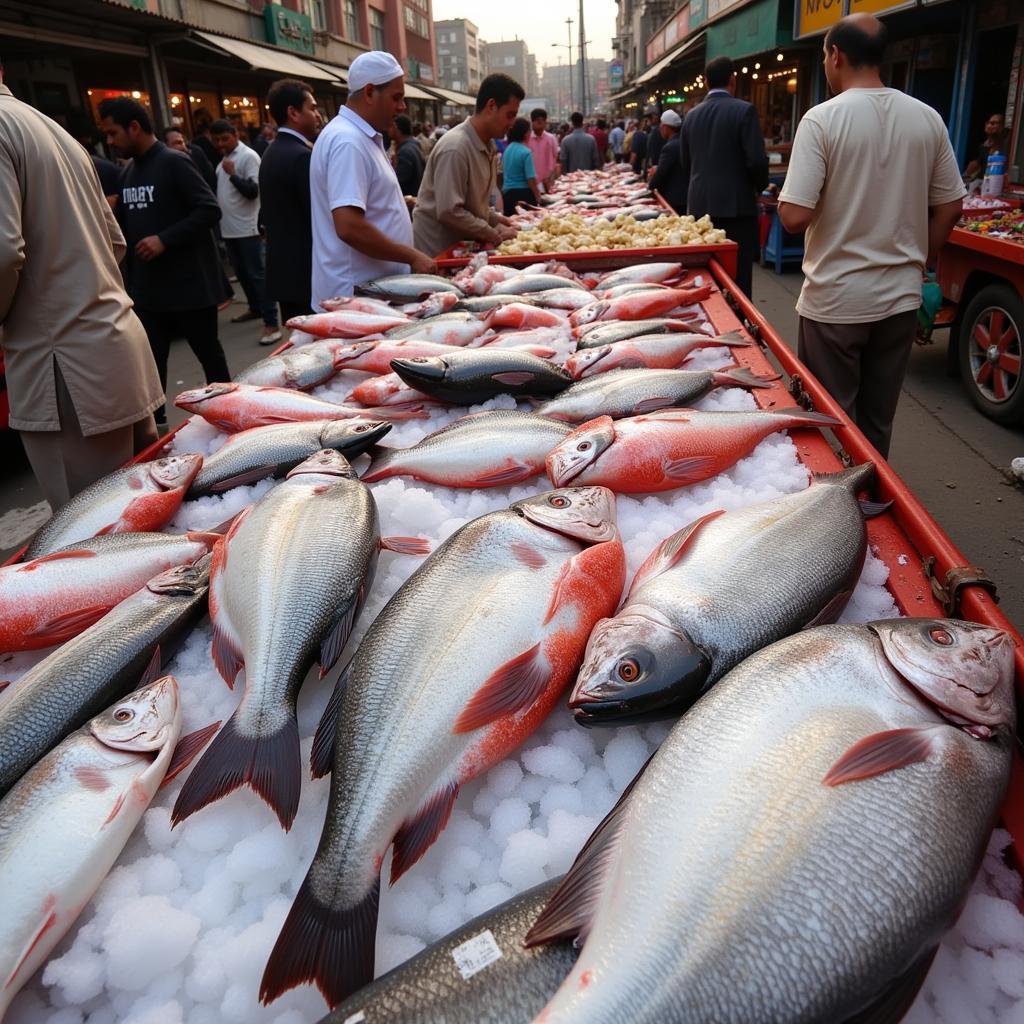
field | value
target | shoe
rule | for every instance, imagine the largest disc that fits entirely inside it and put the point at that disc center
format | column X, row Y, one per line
column 241, row 318
column 270, row 336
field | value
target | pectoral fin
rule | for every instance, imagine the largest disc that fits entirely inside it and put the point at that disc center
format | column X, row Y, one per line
column 510, row 688
column 670, row 551
column 880, row 753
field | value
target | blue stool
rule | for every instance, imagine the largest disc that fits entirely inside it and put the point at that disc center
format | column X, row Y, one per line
column 782, row 247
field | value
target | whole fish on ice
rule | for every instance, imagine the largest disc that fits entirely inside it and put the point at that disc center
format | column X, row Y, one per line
column 719, row 589
column 387, row 389
column 376, row 356
column 664, row 450
column 641, row 273
column 302, row 369
column 140, row 498
column 359, row 304
column 803, row 838
column 639, row 305
column 346, row 323
column 487, row 449
column 520, row 316
column 525, row 284
column 599, row 333
column 652, row 352
column 431, row 700
column 454, row 328
column 407, row 287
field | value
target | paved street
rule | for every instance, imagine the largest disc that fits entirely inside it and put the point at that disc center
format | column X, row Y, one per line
column 951, row 457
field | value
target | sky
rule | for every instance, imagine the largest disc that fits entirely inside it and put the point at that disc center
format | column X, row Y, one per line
column 540, row 23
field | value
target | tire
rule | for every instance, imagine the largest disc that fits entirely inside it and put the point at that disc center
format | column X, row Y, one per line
column 991, row 349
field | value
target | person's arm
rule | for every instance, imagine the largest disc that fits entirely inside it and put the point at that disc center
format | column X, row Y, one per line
column 662, row 174
column 118, row 245
column 12, row 241
column 244, row 177
column 202, row 162
column 405, row 169
column 684, row 158
column 945, row 194
column 203, row 211
column 595, row 156
column 754, row 154
column 805, row 178
column 352, row 227
column 451, row 178
column 941, row 221
column 530, row 172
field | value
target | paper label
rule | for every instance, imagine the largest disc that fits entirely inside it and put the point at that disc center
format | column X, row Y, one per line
column 476, row 953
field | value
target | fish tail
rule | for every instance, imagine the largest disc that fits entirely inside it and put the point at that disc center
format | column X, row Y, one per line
column 378, row 469
column 269, row 763
column 810, row 418
column 329, row 946
column 856, row 478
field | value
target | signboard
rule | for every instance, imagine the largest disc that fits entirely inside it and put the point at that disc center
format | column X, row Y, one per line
column 698, row 12
column 814, row 16
column 716, row 8
column 879, row 6
column 615, row 74
column 675, row 29
column 289, row 29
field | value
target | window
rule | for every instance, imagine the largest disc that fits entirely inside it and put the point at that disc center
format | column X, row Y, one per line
column 377, row 29
column 348, row 8
column 509, row 62
column 416, row 22
column 318, row 15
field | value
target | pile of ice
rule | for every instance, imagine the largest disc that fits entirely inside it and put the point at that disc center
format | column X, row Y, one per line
column 181, row 929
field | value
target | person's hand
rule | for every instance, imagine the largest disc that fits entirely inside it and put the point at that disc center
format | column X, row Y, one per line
column 502, row 219
column 228, row 165
column 421, row 263
column 149, row 248
column 506, row 232
column 410, row 202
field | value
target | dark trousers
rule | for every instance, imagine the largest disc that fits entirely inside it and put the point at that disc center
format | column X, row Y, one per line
column 742, row 231
column 862, row 367
column 199, row 329
column 247, row 259
column 517, row 195
column 290, row 309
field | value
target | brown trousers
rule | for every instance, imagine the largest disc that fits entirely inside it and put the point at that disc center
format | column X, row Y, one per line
column 862, row 367
column 65, row 462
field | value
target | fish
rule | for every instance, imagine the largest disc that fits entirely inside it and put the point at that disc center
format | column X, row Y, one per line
column 236, row 407
column 301, row 369
column 359, row 304
column 484, row 303
column 652, row 352
column 621, row 393
column 641, row 273
column 100, row 665
column 346, row 323
column 387, row 389
column 53, row 598
column 274, row 450
column 521, row 316
column 456, row 328
column 534, row 339
column 470, row 376
column 798, row 845
column 524, row 284
column 287, row 586
column 487, row 449
column 407, row 287
column 665, row 450
column 639, row 305
column 435, row 305
column 599, row 333
column 375, row 356
column 429, row 701
column 562, row 298
column 140, row 498
column 430, row 987
column 698, row 604
column 64, row 825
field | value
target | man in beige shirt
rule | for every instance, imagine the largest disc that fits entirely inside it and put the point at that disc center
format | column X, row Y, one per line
column 873, row 180
column 453, row 204
column 80, row 374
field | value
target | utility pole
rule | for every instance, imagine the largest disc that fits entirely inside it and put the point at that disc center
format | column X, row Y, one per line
column 584, row 105
column 568, row 24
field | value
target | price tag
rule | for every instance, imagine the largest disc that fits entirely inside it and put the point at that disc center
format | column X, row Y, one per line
column 476, row 953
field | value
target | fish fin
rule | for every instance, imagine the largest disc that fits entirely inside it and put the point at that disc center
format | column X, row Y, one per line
column 514, row 377
column 651, row 405
column 688, row 471
column 331, row 947
column 734, row 339
column 741, row 377
column 269, row 764
column 543, row 351
column 151, row 673
column 512, row 472
column 871, row 509
column 337, row 636
column 509, row 688
column 670, row 551
column 250, row 476
column 528, row 555
column 879, row 753
column 48, row 922
column 405, row 545
column 225, row 656
column 64, row 627
column 4, row 683
column 895, row 1001
column 321, row 757
column 56, row 556
column 418, row 832
column 667, row 416
column 393, row 412
column 569, row 911
column 103, row 531
column 808, row 418
column 831, row 612
column 187, row 749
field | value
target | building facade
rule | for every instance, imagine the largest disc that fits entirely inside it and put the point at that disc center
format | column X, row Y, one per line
column 460, row 57
column 510, row 57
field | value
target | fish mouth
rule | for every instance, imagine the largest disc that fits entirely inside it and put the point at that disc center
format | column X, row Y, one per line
column 563, row 473
column 419, row 368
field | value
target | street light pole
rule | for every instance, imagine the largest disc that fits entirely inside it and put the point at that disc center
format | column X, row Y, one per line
column 583, row 65
column 568, row 23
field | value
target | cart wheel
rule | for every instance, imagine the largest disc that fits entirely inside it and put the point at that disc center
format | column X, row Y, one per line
column 991, row 347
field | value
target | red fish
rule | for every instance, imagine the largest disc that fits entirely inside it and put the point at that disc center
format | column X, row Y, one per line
column 520, row 315
column 639, row 305
column 653, row 352
column 347, row 323
column 388, row 389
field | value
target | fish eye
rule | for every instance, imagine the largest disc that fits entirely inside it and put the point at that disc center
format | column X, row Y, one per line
column 124, row 715
column 559, row 501
column 359, row 430
column 583, row 446
column 942, row 637
column 628, row 670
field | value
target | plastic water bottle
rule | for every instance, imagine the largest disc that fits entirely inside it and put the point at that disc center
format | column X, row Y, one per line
column 995, row 175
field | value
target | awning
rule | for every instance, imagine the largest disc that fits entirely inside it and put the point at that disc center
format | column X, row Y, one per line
column 680, row 51
column 262, row 58
column 458, row 99
column 413, row 93
column 341, row 74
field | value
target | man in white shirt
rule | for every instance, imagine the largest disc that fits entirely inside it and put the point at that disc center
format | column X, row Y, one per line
column 873, row 180
column 238, row 195
column 361, row 225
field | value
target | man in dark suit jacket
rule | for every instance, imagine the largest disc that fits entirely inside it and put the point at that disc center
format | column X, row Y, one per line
column 284, row 196
column 667, row 176
column 722, row 156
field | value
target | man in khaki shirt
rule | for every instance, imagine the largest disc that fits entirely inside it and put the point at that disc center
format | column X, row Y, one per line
column 460, row 177
column 80, row 374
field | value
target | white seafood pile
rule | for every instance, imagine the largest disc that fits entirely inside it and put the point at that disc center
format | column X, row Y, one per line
column 181, row 929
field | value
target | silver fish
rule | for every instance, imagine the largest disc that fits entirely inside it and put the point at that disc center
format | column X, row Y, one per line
column 445, row 329
column 303, row 369
column 795, row 850
column 524, row 284
column 562, row 298
column 602, row 332
column 485, row 303
column 641, row 273
column 699, row 604
column 406, row 287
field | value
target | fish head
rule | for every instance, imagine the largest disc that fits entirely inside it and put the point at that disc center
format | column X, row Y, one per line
column 326, row 462
column 144, row 721
column 353, row 436
column 637, row 666
column 175, row 470
column 583, row 513
column 345, row 354
column 580, row 449
column 182, row 580
column 415, row 370
column 582, row 363
column 588, row 314
column 190, row 399
column 964, row 669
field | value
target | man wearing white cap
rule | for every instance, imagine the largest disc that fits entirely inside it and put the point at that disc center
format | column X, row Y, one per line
column 361, row 226
column 667, row 177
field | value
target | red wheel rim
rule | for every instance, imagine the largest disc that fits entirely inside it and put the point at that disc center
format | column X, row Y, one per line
column 994, row 351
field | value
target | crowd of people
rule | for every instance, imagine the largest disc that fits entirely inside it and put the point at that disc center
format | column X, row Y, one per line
column 308, row 211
